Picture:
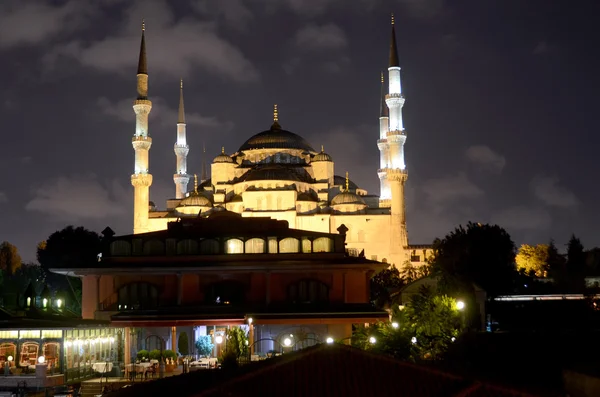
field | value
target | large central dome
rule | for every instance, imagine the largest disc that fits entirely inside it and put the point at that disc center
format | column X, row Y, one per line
column 276, row 138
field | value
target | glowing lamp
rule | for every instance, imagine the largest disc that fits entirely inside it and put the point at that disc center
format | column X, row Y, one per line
column 372, row 340
column 219, row 339
column 329, row 340
column 45, row 302
column 250, row 320
column 41, row 359
column 287, row 342
column 413, row 340
column 59, row 303
column 10, row 358
column 395, row 325
column 460, row 305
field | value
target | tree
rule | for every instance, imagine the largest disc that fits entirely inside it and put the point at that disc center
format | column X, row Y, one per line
column 183, row 344
column 411, row 273
column 204, row 345
column 68, row 248
column 10, row 260
column 383, row 284
column 575, row 265
column 480, row 254
column 533, row 260
column 237, row 341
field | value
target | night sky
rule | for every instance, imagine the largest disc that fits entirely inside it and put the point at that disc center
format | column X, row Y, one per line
column 501, row 104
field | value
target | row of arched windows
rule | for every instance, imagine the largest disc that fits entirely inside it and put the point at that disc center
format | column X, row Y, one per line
column 271, row 245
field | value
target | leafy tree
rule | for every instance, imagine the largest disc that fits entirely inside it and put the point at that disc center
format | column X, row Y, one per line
column 183, row 344
column 411, row 273
column 204, row 345
column 237, row 341
column 556, row 264
column 69, row 247
column 10, row 260
column 480, row 254
column 533, row 260
column 383, row 284
column 26, row 274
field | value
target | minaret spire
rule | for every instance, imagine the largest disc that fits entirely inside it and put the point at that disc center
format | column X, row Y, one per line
column 393, row 47
column 196, row 183
column 383, row 109
column 347, row 182
column 141, row 141
column 203, row 176
column 181, row 148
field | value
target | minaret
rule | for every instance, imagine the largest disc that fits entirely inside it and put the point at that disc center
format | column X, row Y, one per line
column 396, row 169
column 382, row 143
column 203, row 176
column 141, row 178
column 181, row 177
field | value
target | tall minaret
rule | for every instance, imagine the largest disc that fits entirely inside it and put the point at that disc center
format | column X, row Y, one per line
column 141, row 178
column 396, row 169
column 382, row 143
column 181, row 177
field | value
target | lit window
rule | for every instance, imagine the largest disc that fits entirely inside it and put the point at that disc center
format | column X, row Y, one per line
column 234, row 246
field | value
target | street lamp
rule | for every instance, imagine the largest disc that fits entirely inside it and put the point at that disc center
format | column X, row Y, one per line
column 395, row 325
column 372, row 340
column 413, row 340
column 287, row 342
column 329, row 340
column 460, row 305
column 219, row 339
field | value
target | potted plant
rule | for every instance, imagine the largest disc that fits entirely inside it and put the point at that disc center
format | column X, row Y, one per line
column 170, row 363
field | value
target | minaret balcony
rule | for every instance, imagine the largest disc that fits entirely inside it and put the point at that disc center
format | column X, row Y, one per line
column 381, row 141
column 141, row 142
column 394, row 100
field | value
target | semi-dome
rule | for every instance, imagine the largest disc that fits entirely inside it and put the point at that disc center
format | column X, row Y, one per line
column 322, row 156
column 195, row 200
column 347, row 198
column 305, row 197
column 276, row 138
column 223, row 157
column 276, row 173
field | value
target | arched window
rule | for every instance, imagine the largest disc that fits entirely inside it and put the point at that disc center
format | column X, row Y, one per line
column 29, row 354
column 209, row 247
column 234, row 246
column 225, row 293
column 138, row 296
column 51, row 352
column 255, row 246
column 323, row 244
column 308, row 291
column 187, row 247
column 6, row 350
column 120, row 248
column 154, row 247
column 288, row 245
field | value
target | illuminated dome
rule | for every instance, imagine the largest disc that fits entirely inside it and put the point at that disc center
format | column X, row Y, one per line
column 195, row 200
column 223, row 158
column 347, row 198
column 322, row 156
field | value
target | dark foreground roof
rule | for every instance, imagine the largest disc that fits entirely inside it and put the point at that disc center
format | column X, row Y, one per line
column 323, row 370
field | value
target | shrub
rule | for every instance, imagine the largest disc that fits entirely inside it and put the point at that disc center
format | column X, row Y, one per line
column 141, row 354
column 183, row 344
column 154, row 354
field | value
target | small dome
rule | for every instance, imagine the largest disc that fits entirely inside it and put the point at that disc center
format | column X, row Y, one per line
column 347, row 198
column 322, row 156
column 223, row 158
column 195, row 200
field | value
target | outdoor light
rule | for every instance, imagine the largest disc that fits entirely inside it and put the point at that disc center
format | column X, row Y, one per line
column 58, row 303
column 250, row 320
column 41, row 359
column 329, row 340
column 413, row 340
column 372, row 340
column 287, row 342
column 45, row 302
column 452, row 339
column 460, row 305
column 10, row 358
column 246, row 342
column 219, row 339
column 395, row 324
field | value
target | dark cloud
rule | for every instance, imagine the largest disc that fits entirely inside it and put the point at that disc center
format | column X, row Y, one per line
column 549, row 191
column 483, row 156
column 325, row 37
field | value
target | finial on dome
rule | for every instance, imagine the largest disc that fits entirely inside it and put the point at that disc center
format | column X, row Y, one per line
column 382, row 78
column 322, row 149
column 143, row 25
column 275, row 114
column 181, row 83
column 196, row 183
column 393, row 18
column 347, row 181
column 222, row 149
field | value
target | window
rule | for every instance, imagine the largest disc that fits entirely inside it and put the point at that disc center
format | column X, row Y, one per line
column 234, row 246
column 120, row 248
column 7, row 349
column 29, row 354
column 323, row 244
column 209, row 247
column 154, row 247
column 187, row 247
column 306, row 246
column 228, row 292
column 138, row 296
column 288, row 245
column 308, row 291
column 255, row 246
column 415, row 258
column 51, row 353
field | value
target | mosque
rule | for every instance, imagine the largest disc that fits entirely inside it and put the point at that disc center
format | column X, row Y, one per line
column 278, row 174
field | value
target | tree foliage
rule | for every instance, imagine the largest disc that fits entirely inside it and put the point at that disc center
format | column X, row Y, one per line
column 480, row 254
column 383, row 284
column 575, row 269
column 204, row 345
column 10, row 260
column 411, row 272
column 533, row 260
column 183, row 344
column 237, row 341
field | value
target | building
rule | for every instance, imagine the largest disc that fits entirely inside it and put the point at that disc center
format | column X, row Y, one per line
column 202, row 275
column 277, row 173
